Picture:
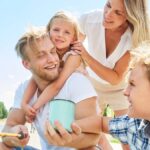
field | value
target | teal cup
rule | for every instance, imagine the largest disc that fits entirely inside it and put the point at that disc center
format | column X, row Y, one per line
column 63, row 111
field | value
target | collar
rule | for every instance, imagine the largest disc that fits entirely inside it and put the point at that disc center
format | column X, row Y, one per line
column 145, row 128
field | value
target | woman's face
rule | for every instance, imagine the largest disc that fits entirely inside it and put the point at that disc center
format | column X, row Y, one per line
column 114, row 14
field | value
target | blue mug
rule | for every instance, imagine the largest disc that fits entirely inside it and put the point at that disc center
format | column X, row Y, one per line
column 63, row 111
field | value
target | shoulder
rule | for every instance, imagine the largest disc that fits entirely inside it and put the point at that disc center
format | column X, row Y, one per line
column 123, row 127
column 124, row 123
column 92, row 16
column 79, row 87
column 78, row 78
column 19, row 93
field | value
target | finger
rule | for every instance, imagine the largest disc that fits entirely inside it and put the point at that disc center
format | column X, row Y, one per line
column 63, row 132
column 76, row 42
column 29, row 119
column 48, row 135
column 76, row 129
column 54, row 135
column 78, row 51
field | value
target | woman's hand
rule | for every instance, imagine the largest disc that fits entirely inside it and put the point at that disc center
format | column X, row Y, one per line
column 78, row 47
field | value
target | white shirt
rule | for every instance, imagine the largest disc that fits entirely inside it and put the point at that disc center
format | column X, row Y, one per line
column 76, row 88
column 92, row 27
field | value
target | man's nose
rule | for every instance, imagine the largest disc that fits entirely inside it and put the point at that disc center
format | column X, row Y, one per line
column 51, row 58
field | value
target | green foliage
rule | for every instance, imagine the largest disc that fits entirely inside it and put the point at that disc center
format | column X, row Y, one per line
column 3, row 111
column 108, row 112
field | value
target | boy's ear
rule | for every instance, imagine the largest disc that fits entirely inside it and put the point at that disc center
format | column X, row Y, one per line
column 26, row 64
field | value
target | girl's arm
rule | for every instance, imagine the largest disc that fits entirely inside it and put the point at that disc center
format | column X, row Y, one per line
column 28, row 94
column 71, row 64
column 113, row 76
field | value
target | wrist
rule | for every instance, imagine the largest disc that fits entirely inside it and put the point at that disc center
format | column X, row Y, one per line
column 4, row 146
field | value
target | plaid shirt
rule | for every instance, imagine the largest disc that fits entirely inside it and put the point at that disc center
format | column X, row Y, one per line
column 130, row 131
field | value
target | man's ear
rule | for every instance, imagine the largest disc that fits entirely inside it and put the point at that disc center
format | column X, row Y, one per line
column 26, row 64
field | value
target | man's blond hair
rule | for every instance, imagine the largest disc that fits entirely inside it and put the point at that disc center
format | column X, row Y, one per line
column 29, row 41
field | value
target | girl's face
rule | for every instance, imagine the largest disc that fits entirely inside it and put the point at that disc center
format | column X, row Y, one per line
column 62, row 34
column 138, row 93
column 114, row 14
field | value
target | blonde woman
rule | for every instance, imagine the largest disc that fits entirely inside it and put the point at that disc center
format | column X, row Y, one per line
column 111, row 33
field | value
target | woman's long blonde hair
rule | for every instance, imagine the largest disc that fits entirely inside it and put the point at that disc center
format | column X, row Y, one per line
column 137, row 16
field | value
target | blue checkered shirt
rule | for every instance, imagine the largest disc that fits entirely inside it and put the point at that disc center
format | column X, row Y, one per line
column 130, row 131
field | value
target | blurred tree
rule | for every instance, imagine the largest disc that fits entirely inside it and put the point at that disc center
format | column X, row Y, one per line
column 3, row 111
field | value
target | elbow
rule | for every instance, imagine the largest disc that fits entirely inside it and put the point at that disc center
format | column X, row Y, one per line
column 95, row 139
column 57, row 88
column 116, row 80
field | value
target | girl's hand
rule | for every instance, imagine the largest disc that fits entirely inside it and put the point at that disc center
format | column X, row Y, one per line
column 78, row 47
column 30, row 113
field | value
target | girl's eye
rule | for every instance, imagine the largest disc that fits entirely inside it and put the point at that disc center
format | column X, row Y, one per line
column 67, row 32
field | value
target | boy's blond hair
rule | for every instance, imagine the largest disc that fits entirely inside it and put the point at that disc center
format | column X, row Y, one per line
column 68, row 17
column 141, row 56
column 29, row 41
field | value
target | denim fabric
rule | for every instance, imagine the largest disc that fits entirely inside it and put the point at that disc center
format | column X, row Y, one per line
column 25, row 148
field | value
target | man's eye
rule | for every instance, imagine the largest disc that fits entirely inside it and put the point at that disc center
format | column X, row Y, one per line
column 55, row 29
column 41, row 55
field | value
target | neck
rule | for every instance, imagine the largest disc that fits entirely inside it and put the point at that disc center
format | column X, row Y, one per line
column 41, row 84
column 120, row 29
column 61, row 52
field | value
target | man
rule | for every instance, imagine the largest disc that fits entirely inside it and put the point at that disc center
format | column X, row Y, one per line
column 39, row 56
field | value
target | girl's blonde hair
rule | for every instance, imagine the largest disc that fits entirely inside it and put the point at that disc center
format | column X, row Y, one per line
column 141, row 56
column 137, row 16
column 66, row 16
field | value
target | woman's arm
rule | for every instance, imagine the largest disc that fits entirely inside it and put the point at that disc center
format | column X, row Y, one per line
column 71, row 64
column 113, row 76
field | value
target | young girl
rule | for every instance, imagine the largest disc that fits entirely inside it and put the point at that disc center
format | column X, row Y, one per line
column 63, row 30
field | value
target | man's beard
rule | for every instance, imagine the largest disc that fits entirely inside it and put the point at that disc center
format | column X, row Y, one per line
column 49, row 77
